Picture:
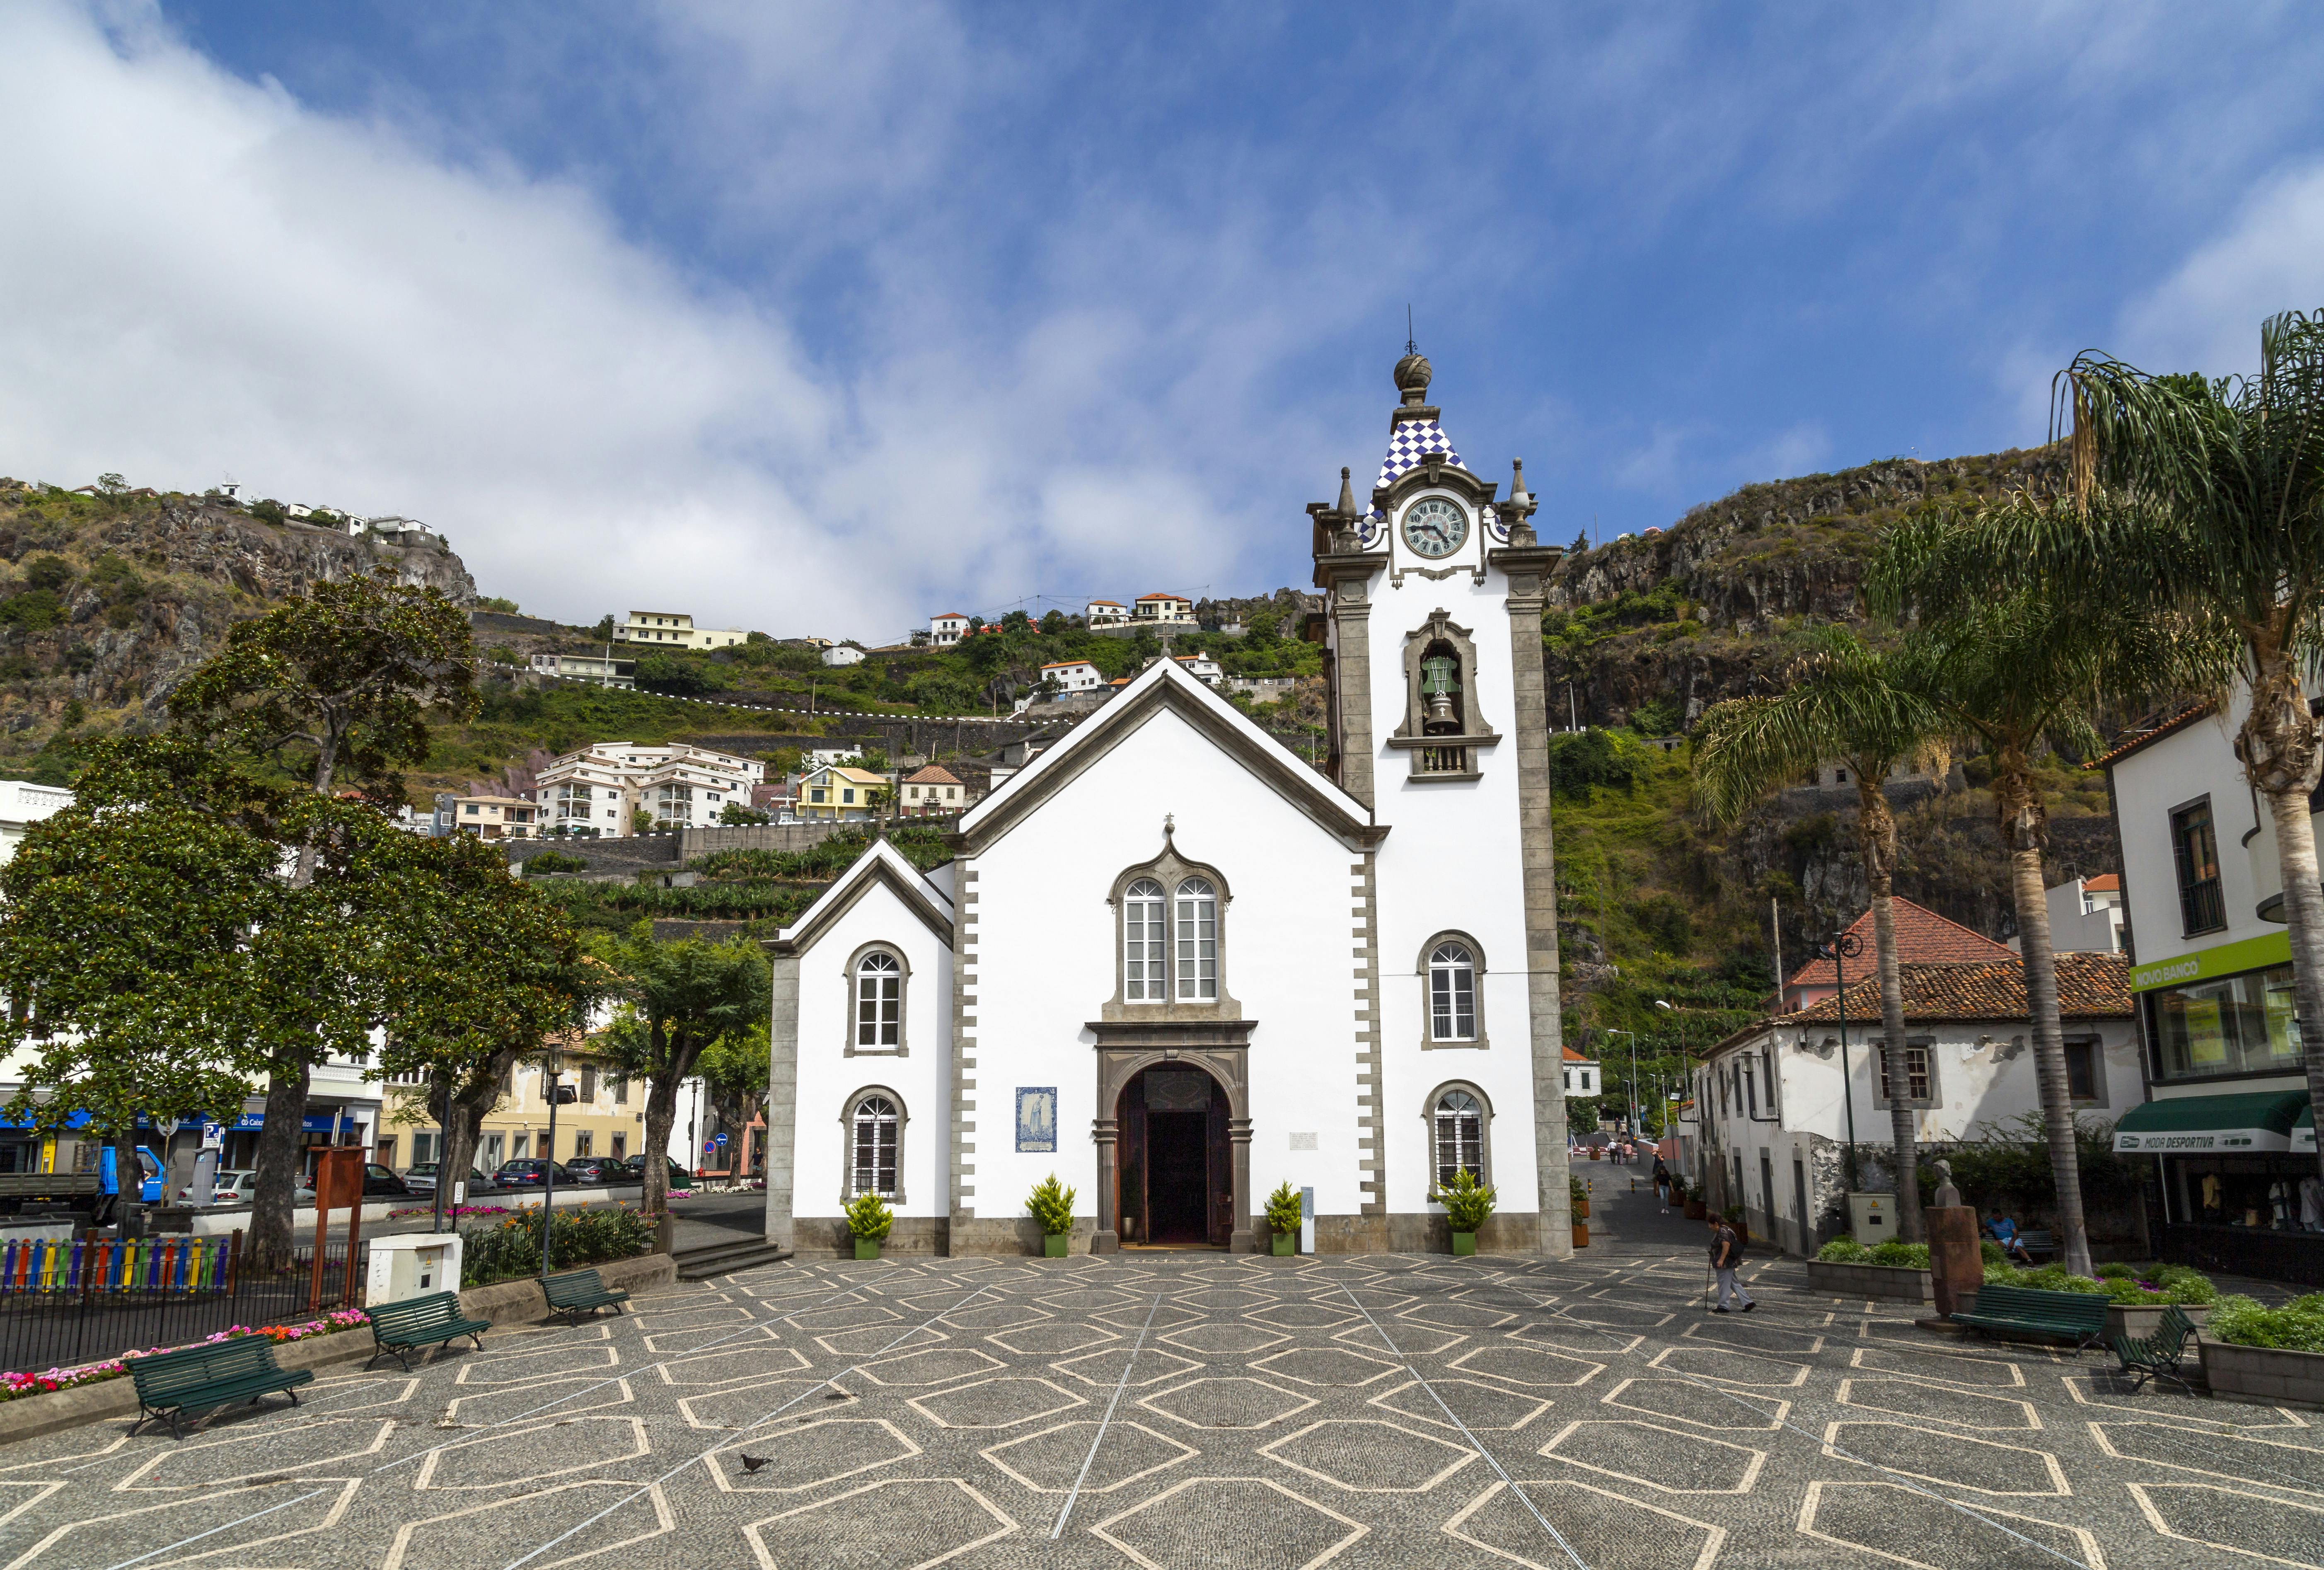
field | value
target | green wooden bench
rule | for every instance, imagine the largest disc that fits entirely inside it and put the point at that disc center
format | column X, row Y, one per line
column 172, row 1385
column 404, row 1327
column 2159, row 1354
column 2075, row 1316
column 579, row 1292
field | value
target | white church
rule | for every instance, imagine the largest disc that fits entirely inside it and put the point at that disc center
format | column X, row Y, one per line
column 1174, row 964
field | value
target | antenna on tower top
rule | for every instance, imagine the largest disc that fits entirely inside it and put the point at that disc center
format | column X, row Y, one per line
column 1411, row 345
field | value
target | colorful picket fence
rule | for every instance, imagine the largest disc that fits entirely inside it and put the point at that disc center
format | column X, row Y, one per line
column 166, row 1264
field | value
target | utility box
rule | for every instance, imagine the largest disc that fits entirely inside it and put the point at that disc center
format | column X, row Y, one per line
column 412, row 1264
column 1872, row 1217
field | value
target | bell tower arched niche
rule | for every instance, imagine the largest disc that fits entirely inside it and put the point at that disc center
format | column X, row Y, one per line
column 1442, row 730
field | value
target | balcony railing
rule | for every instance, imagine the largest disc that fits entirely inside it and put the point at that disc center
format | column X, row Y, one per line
column 2202, row 906
column 1442, row 761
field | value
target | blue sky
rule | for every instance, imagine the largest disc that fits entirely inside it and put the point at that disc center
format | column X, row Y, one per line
column 821, row 319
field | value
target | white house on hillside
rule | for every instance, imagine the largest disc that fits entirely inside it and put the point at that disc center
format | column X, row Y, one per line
column 842, row 654
column 1175, row 966
column 1105, row 613
column 603, row 787
column 672, row 629
column 949, row 628
column 1202, row 668
column 1160, row 610
column 1074, row 675
column 590, row 667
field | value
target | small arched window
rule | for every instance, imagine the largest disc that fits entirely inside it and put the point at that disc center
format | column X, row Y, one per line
column 1460, row 1137
column 1145, row 932
column 1452, row 993
column 874, row 1163
column 878, row 1001
column 1198, row 941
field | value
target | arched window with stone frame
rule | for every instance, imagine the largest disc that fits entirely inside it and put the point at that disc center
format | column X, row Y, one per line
column 1171, row 941
column 874, row 1120
column 879, row 980
column 1451, row 970
column 1460, row 1122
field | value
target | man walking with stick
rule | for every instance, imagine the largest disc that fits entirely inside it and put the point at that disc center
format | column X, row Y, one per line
column 1726, row 1253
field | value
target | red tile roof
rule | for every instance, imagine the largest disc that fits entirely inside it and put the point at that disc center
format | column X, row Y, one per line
column 2089, row 986
column 2131, row 743
column 1923, row 937
column 2103, row 883
column 1574, row 1057
column 933, row 774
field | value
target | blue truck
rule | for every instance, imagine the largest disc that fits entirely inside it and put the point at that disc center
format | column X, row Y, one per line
column 94, row 1194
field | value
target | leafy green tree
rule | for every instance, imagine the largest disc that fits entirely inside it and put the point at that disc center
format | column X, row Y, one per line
column 733, row 1070
column 683, row 997
column 484, row 971
column 2018, row 667
column 1871, row 709
column 336, row 683
column 126, row 932
column 2203, row 502
column 1053, row 623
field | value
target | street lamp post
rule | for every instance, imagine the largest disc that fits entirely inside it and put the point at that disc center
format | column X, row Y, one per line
column 1630, row 1111
column 552, row 1075
column 1843, row 947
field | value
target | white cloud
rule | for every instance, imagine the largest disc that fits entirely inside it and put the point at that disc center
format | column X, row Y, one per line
column 2206, row 316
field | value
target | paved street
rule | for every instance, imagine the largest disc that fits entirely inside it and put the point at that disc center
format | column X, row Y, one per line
column 1202, row 1411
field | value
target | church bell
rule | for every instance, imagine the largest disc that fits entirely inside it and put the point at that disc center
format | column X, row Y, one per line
column 1440, row 679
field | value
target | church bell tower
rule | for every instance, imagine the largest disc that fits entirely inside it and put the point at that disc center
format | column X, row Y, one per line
column 1434, row 589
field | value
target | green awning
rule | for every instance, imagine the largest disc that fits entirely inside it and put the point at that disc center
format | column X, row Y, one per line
column 2255, row 1122
column 2303, row 1132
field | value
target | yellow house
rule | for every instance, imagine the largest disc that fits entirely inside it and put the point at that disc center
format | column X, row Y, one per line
column 835, row 792
column 607, row 1117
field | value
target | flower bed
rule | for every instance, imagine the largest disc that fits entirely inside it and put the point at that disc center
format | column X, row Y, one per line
column 1891, row 1272
column 586, row 1236
column 457, row 1212
column 2266, row 1354
column 12, row 1385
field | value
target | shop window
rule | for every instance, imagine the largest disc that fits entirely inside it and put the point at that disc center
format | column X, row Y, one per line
column 2234, row 1025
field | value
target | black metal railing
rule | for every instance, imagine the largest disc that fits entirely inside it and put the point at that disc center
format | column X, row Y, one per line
column 65, row 1302
column 2202, row 906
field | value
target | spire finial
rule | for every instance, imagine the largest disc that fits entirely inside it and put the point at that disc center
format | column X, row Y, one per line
column 1347, row 508
column 1411, row 343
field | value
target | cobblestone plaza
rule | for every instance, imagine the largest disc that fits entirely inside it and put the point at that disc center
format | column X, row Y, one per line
column 1167, row 1411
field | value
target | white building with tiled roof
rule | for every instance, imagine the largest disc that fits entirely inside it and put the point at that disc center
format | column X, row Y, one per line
column 947, row 629
column 673, row 630
column 1176, row 964
column 1105, row 613
column 1073, row 676
column 1163, row 610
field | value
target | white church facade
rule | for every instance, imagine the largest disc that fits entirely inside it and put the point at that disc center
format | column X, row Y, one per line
column 1176, row 964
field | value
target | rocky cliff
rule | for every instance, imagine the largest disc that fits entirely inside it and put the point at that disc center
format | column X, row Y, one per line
column 1659, row 626
column 104, row 602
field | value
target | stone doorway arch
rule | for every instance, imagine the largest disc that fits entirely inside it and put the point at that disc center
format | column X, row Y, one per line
column 1125, row 1049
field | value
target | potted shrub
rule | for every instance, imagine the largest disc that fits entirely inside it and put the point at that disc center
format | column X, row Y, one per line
column 1697, row 1207
column 1283, row 1219
column 1466, row 1203
column 870, row 1219
column 1733, row 1216
column 2270, row 1355
column 1052, row 1205
column 1579, row 1192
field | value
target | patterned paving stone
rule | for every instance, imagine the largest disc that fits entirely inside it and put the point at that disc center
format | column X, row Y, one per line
column 1263, row 1421
column 1370, row 1456
column 1209, row 1521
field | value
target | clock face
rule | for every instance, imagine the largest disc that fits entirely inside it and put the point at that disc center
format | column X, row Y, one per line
column 1435, row 528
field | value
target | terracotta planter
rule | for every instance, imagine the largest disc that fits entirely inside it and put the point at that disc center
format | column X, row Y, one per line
column 1054, row 1245
column 867, row 1248
column 1582, row 1209
column 1464, row 1243
column 1286, row 1245
column 1580, row 1234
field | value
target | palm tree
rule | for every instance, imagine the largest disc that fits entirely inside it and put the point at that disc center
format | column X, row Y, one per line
column 2204, row 503
column 2017, row 667
column 1870, row 709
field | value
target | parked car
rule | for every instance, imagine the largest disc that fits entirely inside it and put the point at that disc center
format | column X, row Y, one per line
column 234, row 1186
column 680, row 1178
column 596, row 1169
column 529, row 1172
column 379, row 1181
